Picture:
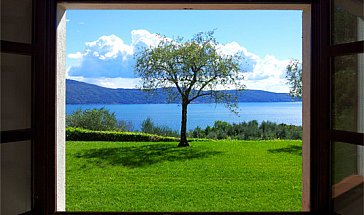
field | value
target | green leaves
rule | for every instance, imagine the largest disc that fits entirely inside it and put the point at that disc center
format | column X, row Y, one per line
column 93, row 119
column 294, row 78
column 195, row 67
column 80, row 134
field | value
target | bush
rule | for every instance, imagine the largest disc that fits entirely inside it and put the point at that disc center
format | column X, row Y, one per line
column 149, row 127
column 80, row 134
column 125, row 125
column 92, row 119
column 97, row 120
column 248, row 131
column 197, row 132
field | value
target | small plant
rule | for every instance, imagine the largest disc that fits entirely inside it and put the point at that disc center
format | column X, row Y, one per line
column 149, row 127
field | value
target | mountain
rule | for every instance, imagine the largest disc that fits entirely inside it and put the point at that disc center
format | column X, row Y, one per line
column 84, row 93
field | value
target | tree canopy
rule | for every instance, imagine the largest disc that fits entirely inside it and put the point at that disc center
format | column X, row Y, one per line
column 190, row 69
column 294, row 78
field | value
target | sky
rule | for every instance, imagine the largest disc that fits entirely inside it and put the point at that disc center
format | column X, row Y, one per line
column 100, row 44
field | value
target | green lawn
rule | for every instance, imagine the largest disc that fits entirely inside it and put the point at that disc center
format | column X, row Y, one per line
column 208, row 176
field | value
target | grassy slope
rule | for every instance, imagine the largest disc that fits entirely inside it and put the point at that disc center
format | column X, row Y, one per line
column 208, row 176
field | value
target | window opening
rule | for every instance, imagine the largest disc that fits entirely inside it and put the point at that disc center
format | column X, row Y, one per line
column 148, row 155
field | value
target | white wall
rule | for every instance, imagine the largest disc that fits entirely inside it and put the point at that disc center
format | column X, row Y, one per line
column 61, row 105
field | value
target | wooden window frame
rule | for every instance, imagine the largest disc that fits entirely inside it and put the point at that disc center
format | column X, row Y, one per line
column 348, row 137
column 25, row 134
column 44, row 131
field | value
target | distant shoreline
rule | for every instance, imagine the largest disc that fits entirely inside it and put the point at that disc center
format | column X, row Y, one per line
column 84, row 93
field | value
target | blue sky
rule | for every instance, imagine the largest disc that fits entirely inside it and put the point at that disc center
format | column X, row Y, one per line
column 100, row 44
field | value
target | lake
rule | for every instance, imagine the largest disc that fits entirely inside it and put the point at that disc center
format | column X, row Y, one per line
column 202, row 115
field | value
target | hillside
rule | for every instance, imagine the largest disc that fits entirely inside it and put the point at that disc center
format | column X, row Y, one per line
column 84, row 93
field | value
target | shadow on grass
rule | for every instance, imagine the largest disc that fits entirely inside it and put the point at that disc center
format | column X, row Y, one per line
column 294, row 150
column 141, row 156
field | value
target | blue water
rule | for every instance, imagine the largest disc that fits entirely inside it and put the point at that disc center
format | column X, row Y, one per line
column 202, row 114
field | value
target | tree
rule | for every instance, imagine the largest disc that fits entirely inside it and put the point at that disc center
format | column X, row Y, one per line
column 294, row 78
column 94, row 119
column 188, row 70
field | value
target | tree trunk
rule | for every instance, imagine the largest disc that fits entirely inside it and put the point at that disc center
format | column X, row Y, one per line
column 183, row 142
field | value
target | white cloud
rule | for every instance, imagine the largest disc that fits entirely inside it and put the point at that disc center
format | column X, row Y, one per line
column 108, row 61
column 126, row 83
column 109, row 47
column 233, row 48
column 249, row 59
column 110, row 57
column 144, row 37
column 77, row 55
column 68, row 20
column 267, row 73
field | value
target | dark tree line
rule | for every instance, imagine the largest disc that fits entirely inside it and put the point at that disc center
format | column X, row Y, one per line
column 248, row 131
column 104, row 120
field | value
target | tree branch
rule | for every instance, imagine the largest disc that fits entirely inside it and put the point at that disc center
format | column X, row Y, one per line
column 205, row 84
column 193, row 81
column 199, row 95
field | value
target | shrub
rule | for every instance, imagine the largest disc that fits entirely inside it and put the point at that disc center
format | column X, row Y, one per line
column 80, row 134
column 97, row 120
column 149, row 127
column 92, row 119
column 248, row 131
column 125, row 125
column 197, row 132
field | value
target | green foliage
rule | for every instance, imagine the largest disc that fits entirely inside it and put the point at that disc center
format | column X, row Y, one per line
column 248, row 131
column 294, row 78
column 214, row 176
column 93, row 119
column 125, row 125
column 197, row 132
column 79, row 134
column 194, row 67
column 97, row 120
column 149, row 127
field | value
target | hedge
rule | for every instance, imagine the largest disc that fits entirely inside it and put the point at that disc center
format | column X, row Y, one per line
column 80, row 134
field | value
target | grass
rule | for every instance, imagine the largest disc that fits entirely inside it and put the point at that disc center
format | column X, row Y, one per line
column 208, row 176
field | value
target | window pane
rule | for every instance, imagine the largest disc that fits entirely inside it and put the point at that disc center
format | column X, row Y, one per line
column 348, row 177
column 16, row 20
column 15, row 92
column 15, row 177
column 347, row 23
column 348, row 93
